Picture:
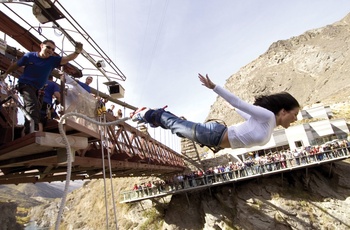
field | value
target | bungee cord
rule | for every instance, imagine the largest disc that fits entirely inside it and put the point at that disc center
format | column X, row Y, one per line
column 110, row 179
column 69, row 159
column 104, row 142
column 102, row 130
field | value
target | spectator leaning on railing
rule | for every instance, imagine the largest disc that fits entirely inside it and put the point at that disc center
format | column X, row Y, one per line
column 236, row 170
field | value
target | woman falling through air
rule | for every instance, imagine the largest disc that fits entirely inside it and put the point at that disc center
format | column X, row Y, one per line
column 261, row 118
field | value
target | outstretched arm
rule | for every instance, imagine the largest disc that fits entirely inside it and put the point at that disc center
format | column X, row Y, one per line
column 246, row 109
column 206, row 81
column 244, row 115
column 11, row 68
column 258, row 112
column 72, row 56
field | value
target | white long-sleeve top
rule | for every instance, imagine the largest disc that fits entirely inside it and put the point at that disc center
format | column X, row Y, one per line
column 259, row 124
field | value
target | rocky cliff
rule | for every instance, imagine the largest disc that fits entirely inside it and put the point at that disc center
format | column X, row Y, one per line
column 314, row 198
column 314, row 67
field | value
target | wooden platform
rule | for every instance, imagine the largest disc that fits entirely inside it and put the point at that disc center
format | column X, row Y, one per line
column 39, row 142
column 42, row 156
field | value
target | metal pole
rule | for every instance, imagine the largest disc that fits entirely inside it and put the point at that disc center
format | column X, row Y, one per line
column 98, row 92
column 330, row 170
column 63, row 83
column 188, row 200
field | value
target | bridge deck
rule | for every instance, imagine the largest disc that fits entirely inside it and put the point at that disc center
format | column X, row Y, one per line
column 42, row 156
column 208, row 181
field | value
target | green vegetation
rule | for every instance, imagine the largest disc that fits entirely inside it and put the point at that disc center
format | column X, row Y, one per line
column 289, row 203
column 279, row 218
column 275, row 195
column 232, row 228
column 254, row 209
column 128, row 224
column 311, row 215
column 22, row 215
column 154, row 220
column 306, row 208
column 256, row 204
column 303, row 203
column 299, row 194
column 228, row 224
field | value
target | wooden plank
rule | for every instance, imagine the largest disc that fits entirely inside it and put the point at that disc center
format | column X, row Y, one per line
column 122, row 165
column 18, row 175
column 56, row 140
column 40, row 159
column 39, row 142
column 18, row 143
column 83, row 131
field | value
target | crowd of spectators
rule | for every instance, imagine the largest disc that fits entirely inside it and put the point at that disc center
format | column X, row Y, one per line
column 150, row 188
column 252, row 165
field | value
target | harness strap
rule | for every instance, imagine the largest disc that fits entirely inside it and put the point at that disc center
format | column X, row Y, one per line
column 216, row 120
column 215, row 149
column 48, row 111
column 155, row 118
column 194, row 133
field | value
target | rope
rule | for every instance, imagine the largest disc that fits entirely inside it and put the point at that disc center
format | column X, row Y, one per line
column 104, row 171
column 69, row 160
column 104, row 143
column 112, row 188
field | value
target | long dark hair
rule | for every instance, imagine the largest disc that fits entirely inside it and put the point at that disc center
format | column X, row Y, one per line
column 276, row 102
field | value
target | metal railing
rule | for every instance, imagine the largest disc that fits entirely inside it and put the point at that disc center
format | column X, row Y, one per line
column 229, row 176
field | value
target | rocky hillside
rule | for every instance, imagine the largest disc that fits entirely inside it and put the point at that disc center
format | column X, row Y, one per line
column 314, row 68
column 318, row 199
column 16, row 200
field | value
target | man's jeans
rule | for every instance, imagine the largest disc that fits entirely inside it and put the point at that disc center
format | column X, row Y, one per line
column 31, row 105
column 208, row 134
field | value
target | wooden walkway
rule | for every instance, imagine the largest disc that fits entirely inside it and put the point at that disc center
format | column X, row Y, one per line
column 249, row 173
column 42, row 157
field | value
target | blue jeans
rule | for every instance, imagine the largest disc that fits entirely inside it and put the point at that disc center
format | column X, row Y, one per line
column 209, row 134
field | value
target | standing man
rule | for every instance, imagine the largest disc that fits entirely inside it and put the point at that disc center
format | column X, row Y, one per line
column 37, row 68
column 110, row 110
column 87, row 83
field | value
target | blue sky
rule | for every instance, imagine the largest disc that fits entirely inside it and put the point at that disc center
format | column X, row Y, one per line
column 161, row 46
